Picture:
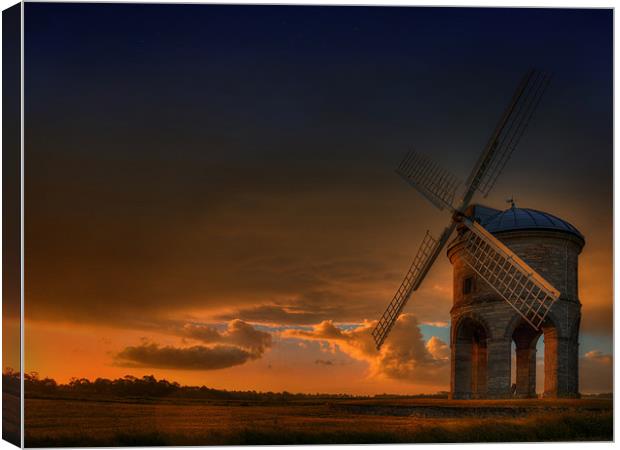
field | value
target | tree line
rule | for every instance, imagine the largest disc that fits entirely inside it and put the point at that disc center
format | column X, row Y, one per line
column 149, row 386
column 146, row 386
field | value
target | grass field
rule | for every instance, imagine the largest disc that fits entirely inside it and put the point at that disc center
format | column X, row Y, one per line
column 11, row 415
column 64, row 422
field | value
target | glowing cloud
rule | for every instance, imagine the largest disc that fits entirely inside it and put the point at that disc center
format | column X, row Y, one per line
column 404, row 356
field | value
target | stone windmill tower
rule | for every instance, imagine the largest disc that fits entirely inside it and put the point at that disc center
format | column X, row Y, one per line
column 484, row 326
column 515, row 272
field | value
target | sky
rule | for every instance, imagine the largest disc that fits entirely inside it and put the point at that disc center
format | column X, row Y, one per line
column 211, row 197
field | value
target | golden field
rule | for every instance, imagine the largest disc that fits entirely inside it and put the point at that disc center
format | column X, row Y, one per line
column 75, row 422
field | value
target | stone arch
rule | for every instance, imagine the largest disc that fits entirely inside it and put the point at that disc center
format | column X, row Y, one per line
column 526, row 338
column 515, row 321
column 469, row 358
column 471, row 315
column 553, row 317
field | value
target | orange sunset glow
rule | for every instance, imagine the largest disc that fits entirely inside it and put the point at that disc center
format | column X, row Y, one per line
column 299, row 300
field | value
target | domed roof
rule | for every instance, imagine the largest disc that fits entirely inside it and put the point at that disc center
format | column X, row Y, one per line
column 514, row 218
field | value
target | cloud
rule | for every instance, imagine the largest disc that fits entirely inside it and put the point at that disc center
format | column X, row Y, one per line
column 288, row 314
column 239, row 343
column 311, row 306
column 324, row 362
column 190, row 358
column 598, row 357
column 438, row 348
column 596, row 372
column 238, row 333
column 356, row 342
column 437, row 324
column 244, row 259
column 404, row 355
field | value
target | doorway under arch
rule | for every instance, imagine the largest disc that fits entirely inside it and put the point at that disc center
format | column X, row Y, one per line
column 470, row 360
column 525, row 341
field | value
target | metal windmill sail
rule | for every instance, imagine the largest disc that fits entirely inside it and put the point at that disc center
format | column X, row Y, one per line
column 515, row 281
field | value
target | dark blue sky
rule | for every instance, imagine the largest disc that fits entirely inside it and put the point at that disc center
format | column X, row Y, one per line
column 275, row 83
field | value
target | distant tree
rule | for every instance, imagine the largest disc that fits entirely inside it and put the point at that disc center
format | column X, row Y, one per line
column 149, row 386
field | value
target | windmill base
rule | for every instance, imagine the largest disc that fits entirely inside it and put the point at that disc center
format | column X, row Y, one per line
column 488, row 338
column 493, row 349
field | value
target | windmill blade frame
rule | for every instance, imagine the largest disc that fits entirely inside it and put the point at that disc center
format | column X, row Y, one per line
column 524, row 289
column 425, row 257
column 514, row 130
column 512, row 278
column 435, row 183
column 507, row 134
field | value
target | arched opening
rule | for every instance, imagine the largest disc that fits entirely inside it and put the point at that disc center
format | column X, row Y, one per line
column 524, row 340
column 534, row 361
column 470, row 360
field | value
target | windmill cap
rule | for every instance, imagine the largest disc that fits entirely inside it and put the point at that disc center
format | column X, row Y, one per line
column 514, row 218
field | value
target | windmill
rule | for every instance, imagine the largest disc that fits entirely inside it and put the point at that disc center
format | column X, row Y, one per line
column 507, row 274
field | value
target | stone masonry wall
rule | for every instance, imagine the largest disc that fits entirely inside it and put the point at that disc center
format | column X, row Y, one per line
column 554, row 255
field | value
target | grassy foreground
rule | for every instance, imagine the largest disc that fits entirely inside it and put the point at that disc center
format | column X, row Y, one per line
column 51, row 423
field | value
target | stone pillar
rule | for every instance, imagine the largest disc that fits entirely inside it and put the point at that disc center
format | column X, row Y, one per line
column 567, row 385
column 479, row 388
column 561, row 367
column 526, row 372
column 498, row 368
column 563, row 384
column 551, row 364
column 573, row 369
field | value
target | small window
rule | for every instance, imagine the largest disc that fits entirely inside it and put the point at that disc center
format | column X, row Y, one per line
column 468, row 285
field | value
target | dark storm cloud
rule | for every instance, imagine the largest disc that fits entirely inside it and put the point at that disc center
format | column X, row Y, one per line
column 305, row 309
column 239, row 343
column 212, row 263
column 190, row 358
